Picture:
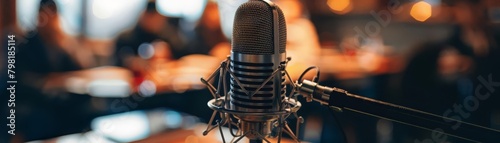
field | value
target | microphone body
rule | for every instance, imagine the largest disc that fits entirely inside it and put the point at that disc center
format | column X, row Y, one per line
column 255, row 101
column 342, row 100
column 258, row 50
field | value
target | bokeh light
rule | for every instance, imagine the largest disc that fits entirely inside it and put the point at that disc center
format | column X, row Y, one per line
column 191, row 10
column 339, row 6
column 146, row 50
column 147, row 88
column 125, row 127
column 421, row 11
column 102, row 8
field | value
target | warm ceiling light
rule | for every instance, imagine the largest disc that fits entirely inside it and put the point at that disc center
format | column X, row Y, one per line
column 339, row 6
column 421, row 11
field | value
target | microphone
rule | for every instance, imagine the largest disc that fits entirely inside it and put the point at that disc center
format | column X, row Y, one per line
column 258, row 49
column 339, row 99
column 257, row 91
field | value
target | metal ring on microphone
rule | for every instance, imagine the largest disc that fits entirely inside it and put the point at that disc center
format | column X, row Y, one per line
column 290, row 101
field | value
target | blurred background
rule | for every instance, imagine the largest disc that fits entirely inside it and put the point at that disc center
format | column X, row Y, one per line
column 128, row 71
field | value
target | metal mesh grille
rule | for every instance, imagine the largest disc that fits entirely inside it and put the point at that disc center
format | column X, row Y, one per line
column 253, row 29
column 251, row 82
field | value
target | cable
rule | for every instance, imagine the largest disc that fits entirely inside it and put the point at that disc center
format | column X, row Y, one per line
column 337, row 121
column 315, row 79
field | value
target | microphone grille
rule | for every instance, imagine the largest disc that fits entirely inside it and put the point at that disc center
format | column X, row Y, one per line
column 253, row 29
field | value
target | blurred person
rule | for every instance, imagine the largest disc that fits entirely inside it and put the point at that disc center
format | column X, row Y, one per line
column 173, row 60
column 44, row 54
column 155, row 50
column 442, row 74
column 437, row 78
column 46, row 65
column 151, row 27
column 303, row 46
column 302, row 40
column 208, row 34
column 429, row 81
column 475, row 37
column 472, row 34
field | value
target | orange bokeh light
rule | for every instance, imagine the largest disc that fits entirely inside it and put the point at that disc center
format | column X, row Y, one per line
column 339, row 6
column 421, row 11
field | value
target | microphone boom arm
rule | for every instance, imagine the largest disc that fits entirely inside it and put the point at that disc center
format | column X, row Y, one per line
column 340, row 99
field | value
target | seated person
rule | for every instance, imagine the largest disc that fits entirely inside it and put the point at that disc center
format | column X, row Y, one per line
column 47, row 64
column 133, row 48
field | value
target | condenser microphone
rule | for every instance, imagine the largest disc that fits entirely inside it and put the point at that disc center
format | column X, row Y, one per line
column 258, row 50
column 256, row 97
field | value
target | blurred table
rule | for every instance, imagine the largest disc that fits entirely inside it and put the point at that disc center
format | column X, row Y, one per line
column 174, row 136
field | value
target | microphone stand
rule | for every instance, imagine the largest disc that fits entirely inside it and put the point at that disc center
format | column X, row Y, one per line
column 340, row 99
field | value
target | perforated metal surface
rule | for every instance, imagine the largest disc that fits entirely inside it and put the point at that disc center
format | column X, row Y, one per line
column 251, row 79
column 253, row 29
